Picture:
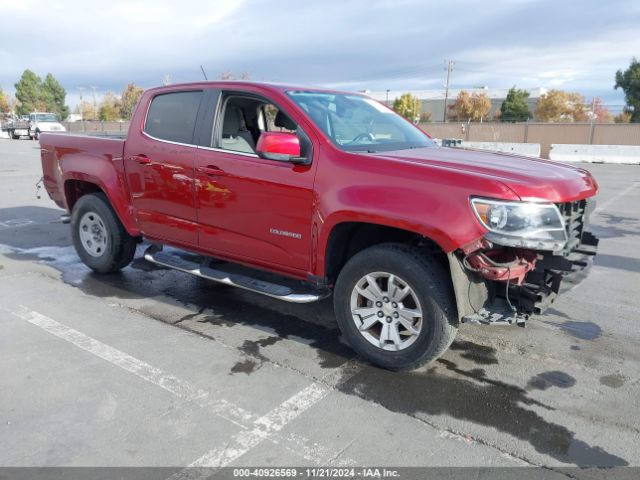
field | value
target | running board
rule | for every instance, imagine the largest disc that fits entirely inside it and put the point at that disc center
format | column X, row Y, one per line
column 282, row 292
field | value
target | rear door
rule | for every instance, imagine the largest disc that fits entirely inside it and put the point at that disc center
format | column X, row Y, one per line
column 250, row 208
column 159, row 163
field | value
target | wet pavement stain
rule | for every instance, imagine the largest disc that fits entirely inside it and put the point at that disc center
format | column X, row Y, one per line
column 614, row 381
column 443, row 389
column 481, row 354
column 218, row 321
column 141, row 264
column 247, row 367
column 470, row 396
column 582, row 330
column 189, row 316
column 253, row 347
column 545, row 380
column 576, row 347
column 311, row 324
column 557, row 313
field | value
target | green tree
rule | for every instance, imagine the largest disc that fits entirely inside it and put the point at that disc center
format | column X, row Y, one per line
column 109, row 110
column 28, row 93
column 515, row 107
column 53, row 95
column 629, row 82
column 561, row 106
column 408, row 106
column 129, row 99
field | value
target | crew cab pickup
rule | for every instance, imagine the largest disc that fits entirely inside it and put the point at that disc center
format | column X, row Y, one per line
column 300, row 193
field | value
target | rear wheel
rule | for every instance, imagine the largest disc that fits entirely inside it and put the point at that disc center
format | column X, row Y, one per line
column 99, row 237
column 395, row 306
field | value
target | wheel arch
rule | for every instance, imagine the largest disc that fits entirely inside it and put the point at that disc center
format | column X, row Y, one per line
column 76, row 187
column 347, row 238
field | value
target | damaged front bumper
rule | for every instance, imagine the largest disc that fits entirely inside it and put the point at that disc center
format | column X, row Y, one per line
column 503, row 285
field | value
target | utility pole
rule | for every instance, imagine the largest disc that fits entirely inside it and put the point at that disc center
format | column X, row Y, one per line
column 387, row 102
column 450, row 64
column 81, row 110
column 95, row 105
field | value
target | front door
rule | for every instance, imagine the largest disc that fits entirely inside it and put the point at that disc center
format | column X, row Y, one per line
column 249, row 207
column 159, row 164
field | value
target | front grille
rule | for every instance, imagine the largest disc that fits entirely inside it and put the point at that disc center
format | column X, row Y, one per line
column 576, row 215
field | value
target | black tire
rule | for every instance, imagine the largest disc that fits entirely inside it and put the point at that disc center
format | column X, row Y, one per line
column 120, row 246
column 432, row 287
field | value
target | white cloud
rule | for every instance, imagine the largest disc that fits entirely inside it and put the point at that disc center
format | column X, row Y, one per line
column 360, row 44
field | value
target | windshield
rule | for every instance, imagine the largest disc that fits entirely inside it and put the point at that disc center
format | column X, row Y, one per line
column 44, row 117
column 358, row 123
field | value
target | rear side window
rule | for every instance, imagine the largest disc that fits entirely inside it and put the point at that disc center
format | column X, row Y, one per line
column 172, row 116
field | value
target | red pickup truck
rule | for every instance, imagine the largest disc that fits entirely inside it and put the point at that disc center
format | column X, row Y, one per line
column 298, row 193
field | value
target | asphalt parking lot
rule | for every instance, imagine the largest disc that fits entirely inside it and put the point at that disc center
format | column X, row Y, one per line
column 150, row 367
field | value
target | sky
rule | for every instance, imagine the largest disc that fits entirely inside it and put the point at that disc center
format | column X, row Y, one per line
column 346, row 44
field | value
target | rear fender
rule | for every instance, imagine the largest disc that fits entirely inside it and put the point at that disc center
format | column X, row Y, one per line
column 106, row 177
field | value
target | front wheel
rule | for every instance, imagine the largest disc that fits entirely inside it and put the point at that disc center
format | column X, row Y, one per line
column 99, row 237
column 395, row 306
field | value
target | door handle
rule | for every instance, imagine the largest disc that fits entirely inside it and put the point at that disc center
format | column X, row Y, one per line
column 210, row 170
column 141, row 159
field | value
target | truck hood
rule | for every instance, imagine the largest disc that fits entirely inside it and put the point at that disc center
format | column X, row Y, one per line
column 529, row 178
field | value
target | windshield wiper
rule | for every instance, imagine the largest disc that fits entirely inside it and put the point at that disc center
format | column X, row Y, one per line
column 367, row 150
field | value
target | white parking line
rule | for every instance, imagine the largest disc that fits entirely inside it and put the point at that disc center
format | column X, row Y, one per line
column 255, row 429
column 615, row 197
column 263, row 427
column 151, row 374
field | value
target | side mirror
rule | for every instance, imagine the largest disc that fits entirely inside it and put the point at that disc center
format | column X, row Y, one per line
column 282, row 146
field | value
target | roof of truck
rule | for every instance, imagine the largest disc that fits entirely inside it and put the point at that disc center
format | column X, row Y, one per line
column 246, row 83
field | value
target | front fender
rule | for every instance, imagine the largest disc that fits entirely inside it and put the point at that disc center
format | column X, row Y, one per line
column 447, row 221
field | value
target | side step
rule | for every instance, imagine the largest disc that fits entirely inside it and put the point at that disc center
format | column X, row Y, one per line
column 282, row 292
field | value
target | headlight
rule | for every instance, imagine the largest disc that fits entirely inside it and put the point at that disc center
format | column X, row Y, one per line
column 521, row 224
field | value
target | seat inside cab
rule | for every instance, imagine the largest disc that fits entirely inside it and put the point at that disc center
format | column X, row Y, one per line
column 245, row 118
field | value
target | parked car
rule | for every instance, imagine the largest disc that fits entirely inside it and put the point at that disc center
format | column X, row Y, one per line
column 306, row 193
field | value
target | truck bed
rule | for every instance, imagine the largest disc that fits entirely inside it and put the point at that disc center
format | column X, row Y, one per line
column 64, row 156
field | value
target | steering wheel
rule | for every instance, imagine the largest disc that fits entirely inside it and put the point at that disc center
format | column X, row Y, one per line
column 363, row 136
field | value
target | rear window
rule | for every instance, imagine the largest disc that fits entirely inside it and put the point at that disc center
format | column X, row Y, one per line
column 172, row 116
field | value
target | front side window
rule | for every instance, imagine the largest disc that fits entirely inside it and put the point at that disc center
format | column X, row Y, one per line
column 172, row 116
column 358, row 123
column 245, row 118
